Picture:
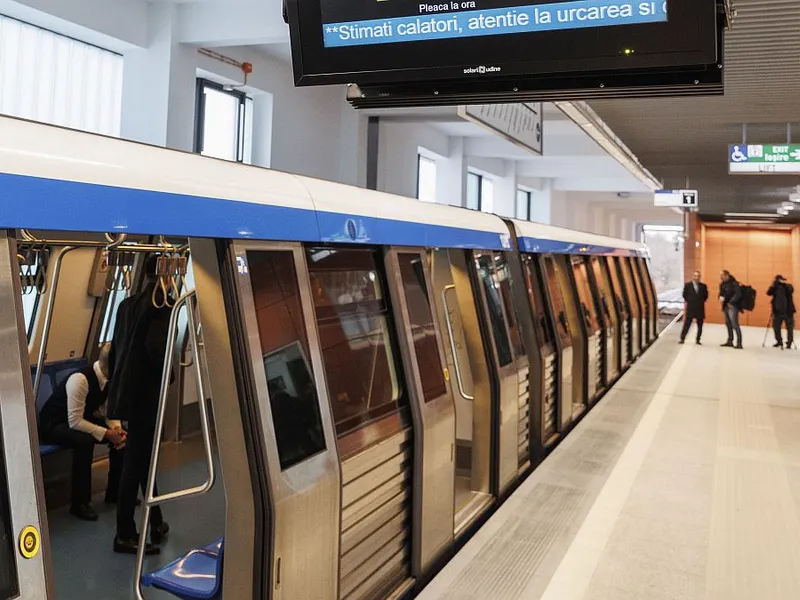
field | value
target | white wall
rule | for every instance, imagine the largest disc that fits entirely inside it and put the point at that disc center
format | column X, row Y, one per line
column 398, row 146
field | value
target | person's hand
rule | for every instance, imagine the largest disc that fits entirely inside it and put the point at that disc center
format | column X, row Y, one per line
column 115, row 436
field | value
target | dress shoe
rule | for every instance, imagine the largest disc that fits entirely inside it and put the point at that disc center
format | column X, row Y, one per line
column 778, row 345
column 159, row 533
column 130, row 545
column 726, row 345
column 84, row 512
column 680, row 341
column 698, row 343
column 739, row 347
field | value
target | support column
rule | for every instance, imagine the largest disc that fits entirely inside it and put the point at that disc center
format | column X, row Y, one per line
column 158, row 93
column 262, row 129
column 541, row 203
column 451, row 175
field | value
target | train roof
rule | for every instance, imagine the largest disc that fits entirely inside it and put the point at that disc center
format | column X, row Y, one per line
column 538, row 238
column 53, row 178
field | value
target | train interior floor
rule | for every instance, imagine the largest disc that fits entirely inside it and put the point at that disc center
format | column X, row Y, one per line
column 683, row 483
column 85, row 565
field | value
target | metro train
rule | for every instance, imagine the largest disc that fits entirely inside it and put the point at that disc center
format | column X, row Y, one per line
column 360, row 379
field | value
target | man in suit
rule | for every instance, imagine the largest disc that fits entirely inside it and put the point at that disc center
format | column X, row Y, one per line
column 695, row 294
column 136, row 363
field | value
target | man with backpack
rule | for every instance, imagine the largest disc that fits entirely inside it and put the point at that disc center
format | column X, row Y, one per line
column 783, row 310
column 730, row 294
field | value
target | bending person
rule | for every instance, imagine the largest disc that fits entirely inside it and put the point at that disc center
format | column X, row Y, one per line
column 74, row 416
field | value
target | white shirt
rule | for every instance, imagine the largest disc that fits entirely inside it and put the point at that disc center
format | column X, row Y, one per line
column 77, row 391
column 696, row 287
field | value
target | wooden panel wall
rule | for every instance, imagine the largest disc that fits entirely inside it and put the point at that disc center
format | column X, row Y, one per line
column 754, row 256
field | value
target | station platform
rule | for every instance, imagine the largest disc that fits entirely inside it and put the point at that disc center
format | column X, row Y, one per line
column 682, row 483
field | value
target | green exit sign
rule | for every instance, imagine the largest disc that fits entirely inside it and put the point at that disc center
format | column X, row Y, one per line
column 764, row 158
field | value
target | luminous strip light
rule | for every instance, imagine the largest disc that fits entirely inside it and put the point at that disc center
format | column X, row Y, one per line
column 590, row 122
column 751, row 215
column 750, row 221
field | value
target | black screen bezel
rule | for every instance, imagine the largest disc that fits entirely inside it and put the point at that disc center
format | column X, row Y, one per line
column 688, row 38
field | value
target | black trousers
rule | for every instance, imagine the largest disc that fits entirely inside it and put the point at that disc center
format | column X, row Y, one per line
column 135, row 470
column 82, row 445
column 687, row 323
column 777, row 321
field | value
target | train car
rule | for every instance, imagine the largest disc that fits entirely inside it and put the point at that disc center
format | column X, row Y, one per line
column 352, row 381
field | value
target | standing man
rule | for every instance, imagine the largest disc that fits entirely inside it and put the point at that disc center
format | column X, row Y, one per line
column 695, row 294
column 783, row 310
column 136, row 363
column 730, row 294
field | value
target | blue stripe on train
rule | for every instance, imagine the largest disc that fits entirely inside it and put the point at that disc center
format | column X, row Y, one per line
column 539, row 246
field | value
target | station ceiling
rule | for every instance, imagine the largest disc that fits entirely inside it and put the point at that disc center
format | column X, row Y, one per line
column 685, row 140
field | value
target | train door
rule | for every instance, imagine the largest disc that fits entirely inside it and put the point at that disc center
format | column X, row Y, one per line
column 432, row 405
column 548, row 349
column 293, row 417
column 372, row 420
column 457, row 312
column 510, row 366
column 605, row 292
column 644, row 301
column 650, row 291
column 635, row 302
column 568, row 327
column 627, row 310
column 593, row 324
column 24, row 539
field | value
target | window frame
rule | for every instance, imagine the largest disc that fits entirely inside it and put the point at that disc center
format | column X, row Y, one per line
column 421, row 157
column 244, row 114
column 528, row 199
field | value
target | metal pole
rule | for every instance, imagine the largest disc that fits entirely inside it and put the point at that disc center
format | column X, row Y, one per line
column 48, row 319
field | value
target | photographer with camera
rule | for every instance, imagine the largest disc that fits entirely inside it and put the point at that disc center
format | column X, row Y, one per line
column 783, row 310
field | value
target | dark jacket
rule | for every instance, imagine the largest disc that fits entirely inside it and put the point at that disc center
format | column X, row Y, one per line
column 54, row 411
column 782, row 298
column 695, row 301
column 136, row 359
column 731, row 293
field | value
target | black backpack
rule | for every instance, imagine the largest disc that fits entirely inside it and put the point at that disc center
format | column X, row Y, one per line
column 748, row 298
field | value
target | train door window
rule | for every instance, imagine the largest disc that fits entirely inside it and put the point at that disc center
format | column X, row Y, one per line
column 619, row 291
column 503, row 276
column 285, row 354
column 627, row 277
column 585, row 294
column 355, row 330
column 557, row 300
column 536, row 294
column 422, row 328
column 9, row 584
column 490, row 280
column 602, row 287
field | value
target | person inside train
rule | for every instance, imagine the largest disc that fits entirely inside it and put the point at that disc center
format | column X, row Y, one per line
column 783, row 310
column 695, row 294
column 730, row 294
column 136, row 362
column 74, row 416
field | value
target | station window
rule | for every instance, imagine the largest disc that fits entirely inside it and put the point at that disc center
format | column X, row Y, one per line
column 55, row 79
column 426, row 178
column 224, row 126
column 423, row 330
column 355, row 330
column 480, row 192
column 523, row 208
column 285, row 354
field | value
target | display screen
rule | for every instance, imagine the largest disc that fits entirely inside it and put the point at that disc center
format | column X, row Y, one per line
column 384, row 41
column 404, row 21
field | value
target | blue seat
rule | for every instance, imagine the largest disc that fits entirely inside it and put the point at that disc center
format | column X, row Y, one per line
column 197, row 575
column 52, row 376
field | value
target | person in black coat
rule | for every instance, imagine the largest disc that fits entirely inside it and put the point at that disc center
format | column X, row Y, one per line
column 695, row 294
column 730, row 294
column 136, row 363
column 783, row 310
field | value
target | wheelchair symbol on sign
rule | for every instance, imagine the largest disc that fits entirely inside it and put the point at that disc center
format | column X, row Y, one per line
column 737, row 155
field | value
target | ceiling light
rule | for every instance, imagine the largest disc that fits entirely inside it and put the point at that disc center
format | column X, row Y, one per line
column 750, row 221
column 751, row 215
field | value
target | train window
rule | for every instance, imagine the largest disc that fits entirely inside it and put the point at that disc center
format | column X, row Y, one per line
column 619, row 292
column 536, row 295
column 585, row 294
column 9, row 585
column 602, row 289
column 627, row 277
column 110, row 317
column 284, row 349
column 422, row 328
column 504, row 279
column 355, row 334
column 557, row 300
column 491, row 286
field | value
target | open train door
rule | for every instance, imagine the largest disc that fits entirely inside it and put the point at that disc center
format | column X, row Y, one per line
column 24, row 555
